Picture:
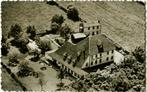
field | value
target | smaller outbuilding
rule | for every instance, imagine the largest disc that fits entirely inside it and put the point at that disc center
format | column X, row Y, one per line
column 77, row 37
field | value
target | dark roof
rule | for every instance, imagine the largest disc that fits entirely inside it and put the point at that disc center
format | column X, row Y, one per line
column 78, row 35
column 83, row 49
column 97, row 40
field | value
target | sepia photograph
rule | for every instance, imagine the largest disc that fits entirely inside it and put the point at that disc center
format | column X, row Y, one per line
column 78, row 46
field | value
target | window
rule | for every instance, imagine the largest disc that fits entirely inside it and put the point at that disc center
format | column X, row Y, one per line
column 91, row 63
column 100, row 61
column 93, row 27
column 107, row 59
column 97, row 27
column 92, row 33
column 95, row 61
column 97, row 32
column 75, row 74
column 111, row 57
column 112, row 51
column 100, row 54
column 108, row 53
column 88, row 28
column 86, row 64
column 96, row 56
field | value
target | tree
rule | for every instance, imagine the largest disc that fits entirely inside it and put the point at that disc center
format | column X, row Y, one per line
column 72, row 13
column 57, row 19
column 139, row 53
column 15, row 30
column 32, row 31
column 24, row 69
column 13, row 55
column 65, row 31
column 5, row 47
column 55, row 27
column 43, row 44
column 4, row 38
column 21, row 42
column 60, row 76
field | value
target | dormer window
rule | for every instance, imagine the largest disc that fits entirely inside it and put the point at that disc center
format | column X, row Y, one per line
column 69, row 59
column 73, row 62
column 64, row 56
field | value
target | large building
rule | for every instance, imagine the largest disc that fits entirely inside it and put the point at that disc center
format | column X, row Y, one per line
column 93, row 51
column 90, row 28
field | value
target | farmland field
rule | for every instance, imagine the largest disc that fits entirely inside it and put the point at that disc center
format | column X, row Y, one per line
column 124, row 22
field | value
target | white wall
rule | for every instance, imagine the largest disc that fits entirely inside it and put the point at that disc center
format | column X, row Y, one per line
column 118, row 57
column 103, row 58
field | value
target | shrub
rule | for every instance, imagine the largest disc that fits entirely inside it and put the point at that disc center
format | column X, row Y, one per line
column 139, row 53
column 5, row 48
column 13, row 56
column 57, row 19
column 32, row 31
column 52, row 3
column 65, row 31
column 72, row 13
column 21, row 43
column 24, row 69
column 15, row 30
column 55, row 27
column 44, row 45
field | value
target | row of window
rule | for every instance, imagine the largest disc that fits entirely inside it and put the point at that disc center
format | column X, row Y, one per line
column 107, row 59
column 100, row 61
column 96, row 56
column 97, row 32
column 111, row 52
column 70, row 71
column 93, row 27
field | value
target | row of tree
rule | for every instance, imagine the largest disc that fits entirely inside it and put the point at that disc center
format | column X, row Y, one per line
column 57, row 28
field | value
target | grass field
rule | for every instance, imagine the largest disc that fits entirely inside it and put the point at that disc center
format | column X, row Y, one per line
column 124, row 22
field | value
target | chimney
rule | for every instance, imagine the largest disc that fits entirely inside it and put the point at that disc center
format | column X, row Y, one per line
column 100, row 46
column 81, row 27
column 99, row 26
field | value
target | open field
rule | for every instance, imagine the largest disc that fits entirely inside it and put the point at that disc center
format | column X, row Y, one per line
column 124, row 22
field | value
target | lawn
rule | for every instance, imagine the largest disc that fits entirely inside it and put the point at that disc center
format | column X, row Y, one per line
column 8, row 83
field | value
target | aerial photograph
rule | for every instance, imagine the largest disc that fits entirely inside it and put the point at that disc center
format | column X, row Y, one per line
column 78, row 46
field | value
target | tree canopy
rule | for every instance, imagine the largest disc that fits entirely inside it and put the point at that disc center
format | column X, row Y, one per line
column 15, row 30
column 59, row 19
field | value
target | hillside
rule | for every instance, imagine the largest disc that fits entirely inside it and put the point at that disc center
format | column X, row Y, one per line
column 124, row 22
